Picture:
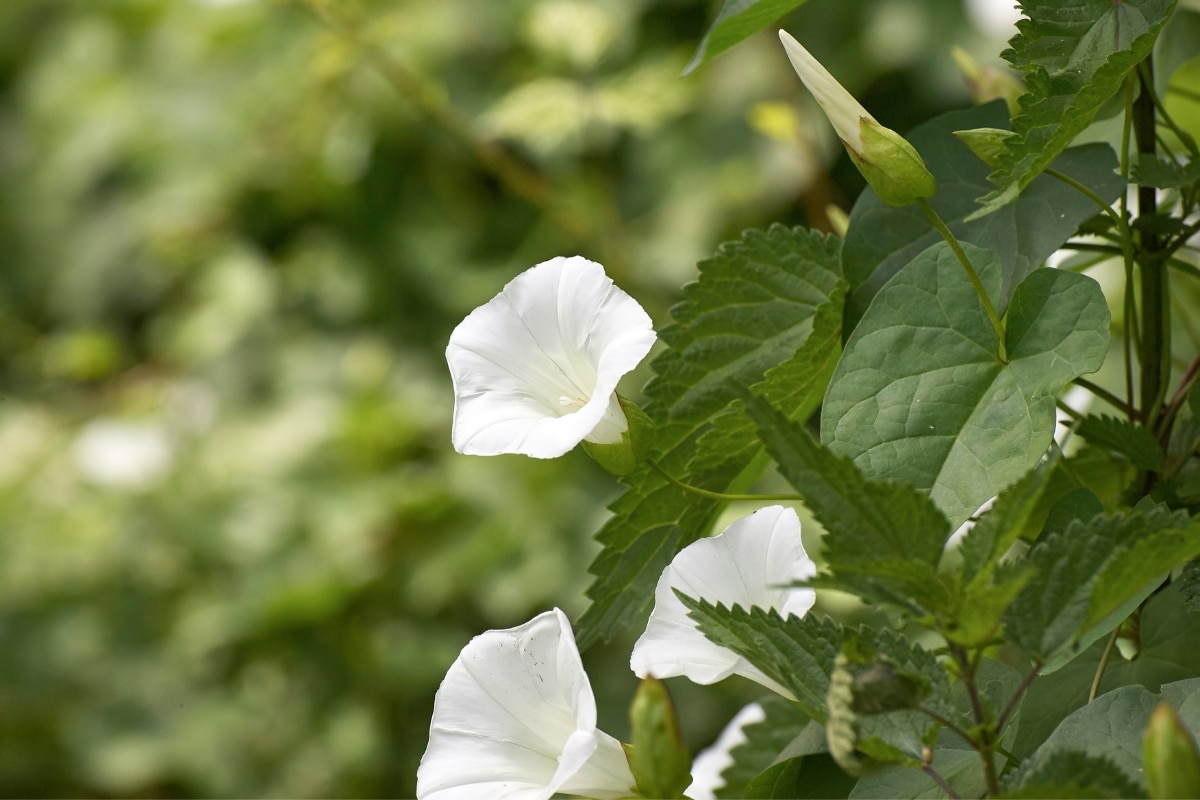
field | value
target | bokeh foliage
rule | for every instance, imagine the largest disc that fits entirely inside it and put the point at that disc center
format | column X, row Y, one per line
column 236, row 551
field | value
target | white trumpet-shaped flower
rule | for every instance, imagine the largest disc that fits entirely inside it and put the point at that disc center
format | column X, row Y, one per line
column 749, row 564
column 535, row 369
column 515, row 717
column 890, row 164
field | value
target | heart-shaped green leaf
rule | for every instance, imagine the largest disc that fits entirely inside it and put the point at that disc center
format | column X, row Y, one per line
column 921, row 395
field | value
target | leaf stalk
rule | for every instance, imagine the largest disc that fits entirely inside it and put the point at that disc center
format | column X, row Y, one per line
column 972, row 275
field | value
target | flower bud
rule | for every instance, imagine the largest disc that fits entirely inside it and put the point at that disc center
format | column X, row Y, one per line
column 890, row 164
column 1169, row 757
column 658, row 756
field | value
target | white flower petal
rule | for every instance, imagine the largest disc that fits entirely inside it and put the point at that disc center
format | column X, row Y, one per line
column 714, row 760
column 515, row 718
column 535, row 369
column 748, row 564
column 844, row 112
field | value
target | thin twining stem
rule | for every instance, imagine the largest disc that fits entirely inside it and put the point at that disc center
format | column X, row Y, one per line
column 945, row 723
column 1015, row 700
column 940, row 781
column 1190, row 376
column 1086, row 192
column 1106, row 396
column 1108, row 648
column 972, row 275
column 696, row 490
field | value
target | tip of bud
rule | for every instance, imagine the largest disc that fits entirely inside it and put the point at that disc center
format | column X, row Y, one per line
column 889, row 163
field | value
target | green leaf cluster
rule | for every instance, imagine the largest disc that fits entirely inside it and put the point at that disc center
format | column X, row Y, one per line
column 1074, row 56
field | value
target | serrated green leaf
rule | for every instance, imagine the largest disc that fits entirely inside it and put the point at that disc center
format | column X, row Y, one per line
column 752, row 309
column 1167, row 652
column 1002, row 524
column 881, row 239
column 796, row 652
column 798, row 384
column 1075, row 55
column 1070, row 774
column 1092, row 569
column 901, row 729
column 921, row 395
column 1164, row 173
column 1049, row 613
column 736, row 20
column 1089, row 468
column 783, row 723
column 1077, row 505
column 987, row 587
column 1141, row 568
column 1134, row 442
column 884, row 539
column 984, row 601
column 1112, row 726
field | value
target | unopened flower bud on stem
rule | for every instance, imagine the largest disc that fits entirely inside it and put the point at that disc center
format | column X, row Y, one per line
column 891, row 165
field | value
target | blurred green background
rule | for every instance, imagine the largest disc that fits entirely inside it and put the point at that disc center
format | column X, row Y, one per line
column 237, row 553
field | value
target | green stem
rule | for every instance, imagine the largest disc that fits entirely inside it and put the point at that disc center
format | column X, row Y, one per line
column 945, row 723
column 985, row 738
column 696, row 490
column 1190, row 375
column 1130, row 307
column 1086, row 192
column 1092, row 247
column 1108, row 648
column 1153, row 276
column 972, row 275
column 1106, row 396
column 1015, row 700
column 940, row 781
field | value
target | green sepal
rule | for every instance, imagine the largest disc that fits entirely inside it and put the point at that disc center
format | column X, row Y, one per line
column 988, row 144
column 891, row 165
column 621, row 458
column 657, row 756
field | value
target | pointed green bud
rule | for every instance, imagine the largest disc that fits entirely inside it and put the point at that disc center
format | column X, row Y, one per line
column 621, row 458
column 988, row 144
column 987, row 83
column 890, row 164
column 658, row 756
column 1169, row 757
